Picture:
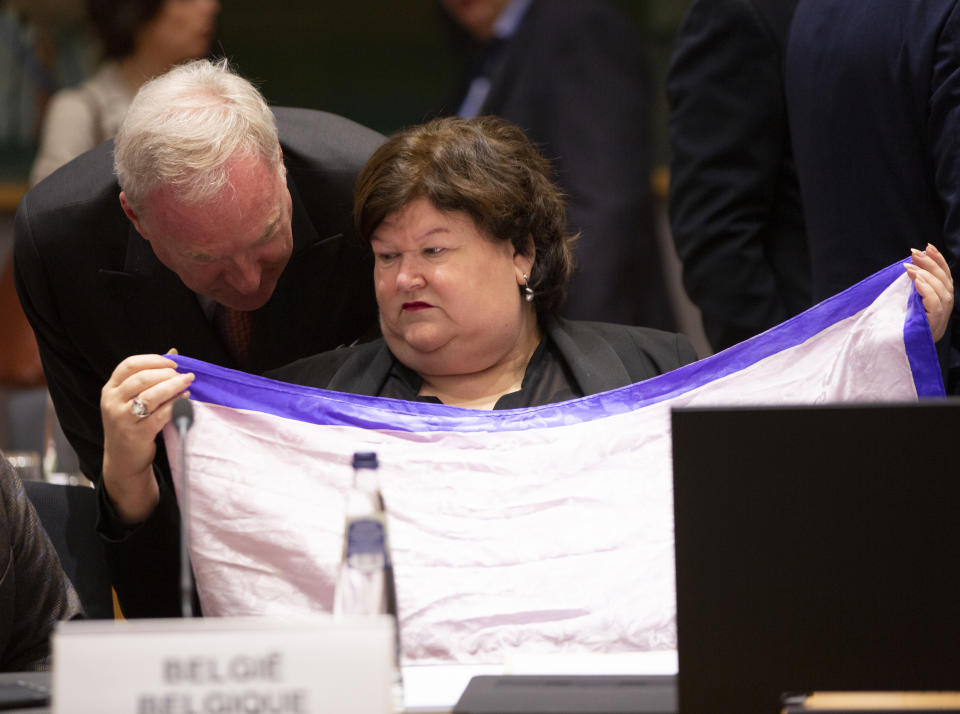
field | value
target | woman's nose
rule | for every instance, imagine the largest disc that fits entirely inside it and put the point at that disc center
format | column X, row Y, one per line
column 409, row 275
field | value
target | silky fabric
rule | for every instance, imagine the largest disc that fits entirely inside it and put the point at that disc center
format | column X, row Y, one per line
column 520, row 532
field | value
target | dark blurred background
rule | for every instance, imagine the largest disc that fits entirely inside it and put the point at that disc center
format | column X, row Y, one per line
column 382, row 63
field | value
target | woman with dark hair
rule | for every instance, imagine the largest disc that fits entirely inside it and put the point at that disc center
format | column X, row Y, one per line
column 471, row 265
column 140, row 39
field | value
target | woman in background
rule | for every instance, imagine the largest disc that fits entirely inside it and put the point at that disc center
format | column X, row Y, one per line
column 140, row 39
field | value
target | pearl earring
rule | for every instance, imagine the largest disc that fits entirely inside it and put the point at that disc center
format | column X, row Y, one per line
column 527, row 290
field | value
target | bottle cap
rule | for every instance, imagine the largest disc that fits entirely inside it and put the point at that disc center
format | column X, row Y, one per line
column 365, row 460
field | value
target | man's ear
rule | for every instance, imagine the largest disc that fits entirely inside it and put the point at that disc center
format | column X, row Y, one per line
column 131, row 214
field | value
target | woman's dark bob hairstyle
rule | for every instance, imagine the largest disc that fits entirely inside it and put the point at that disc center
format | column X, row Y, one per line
column 487, row 168
column 119, row 21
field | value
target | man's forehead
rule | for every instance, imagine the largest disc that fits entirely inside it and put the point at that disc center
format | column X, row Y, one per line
column 251, row 195
column 241, row 176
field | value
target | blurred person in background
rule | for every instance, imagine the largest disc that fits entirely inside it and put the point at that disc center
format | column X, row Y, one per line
column 735, row 210
column 873, row 99
column 140, row 39
column 572, row 74
column 44, row 45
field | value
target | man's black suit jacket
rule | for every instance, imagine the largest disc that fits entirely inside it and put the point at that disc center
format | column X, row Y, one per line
column 574, row 78
column 735, row 208
column 95, row 293
column 873, row 95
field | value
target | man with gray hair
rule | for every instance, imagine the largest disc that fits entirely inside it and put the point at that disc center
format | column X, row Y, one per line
column 226, row 233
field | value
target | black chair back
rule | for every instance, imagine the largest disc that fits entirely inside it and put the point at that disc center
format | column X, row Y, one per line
column 69, row 515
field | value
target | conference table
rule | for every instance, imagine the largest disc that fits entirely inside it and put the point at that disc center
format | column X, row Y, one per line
column 436, row 689
column 9, row 680
column 42, row 680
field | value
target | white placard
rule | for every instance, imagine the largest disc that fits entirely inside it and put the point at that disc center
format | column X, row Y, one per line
column 224, row 666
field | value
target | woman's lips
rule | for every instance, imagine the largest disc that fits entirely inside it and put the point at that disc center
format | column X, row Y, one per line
column 414, row 306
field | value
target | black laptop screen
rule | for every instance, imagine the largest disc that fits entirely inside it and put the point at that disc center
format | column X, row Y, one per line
column 817, row 548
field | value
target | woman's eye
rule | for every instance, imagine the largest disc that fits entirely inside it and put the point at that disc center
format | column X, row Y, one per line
column 433, row 251
column 385, row 257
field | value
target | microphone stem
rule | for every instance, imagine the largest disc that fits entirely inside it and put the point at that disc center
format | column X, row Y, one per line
column 186, row 581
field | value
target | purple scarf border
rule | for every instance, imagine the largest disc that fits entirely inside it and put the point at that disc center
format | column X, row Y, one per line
column 239, row 390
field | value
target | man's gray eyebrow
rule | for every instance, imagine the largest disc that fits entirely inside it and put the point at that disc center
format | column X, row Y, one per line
column 270, row 228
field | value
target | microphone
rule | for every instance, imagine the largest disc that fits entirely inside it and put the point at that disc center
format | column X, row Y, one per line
column 183, row 420
column 183, row 415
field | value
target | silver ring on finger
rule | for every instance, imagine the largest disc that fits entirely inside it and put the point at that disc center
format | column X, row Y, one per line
column 139, row 408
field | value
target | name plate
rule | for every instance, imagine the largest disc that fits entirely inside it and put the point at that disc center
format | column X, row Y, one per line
column 224, row 666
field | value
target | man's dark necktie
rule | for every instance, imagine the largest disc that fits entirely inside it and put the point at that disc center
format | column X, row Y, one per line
column 234, row 328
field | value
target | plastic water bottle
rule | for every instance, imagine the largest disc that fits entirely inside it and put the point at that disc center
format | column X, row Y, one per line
column 361, row 586
column 365, row 583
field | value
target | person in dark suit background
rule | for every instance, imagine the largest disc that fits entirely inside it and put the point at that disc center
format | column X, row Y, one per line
column 249, row 262
column 873, row 96
column 572, row 74
column 34, row 591
column 735, row 209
